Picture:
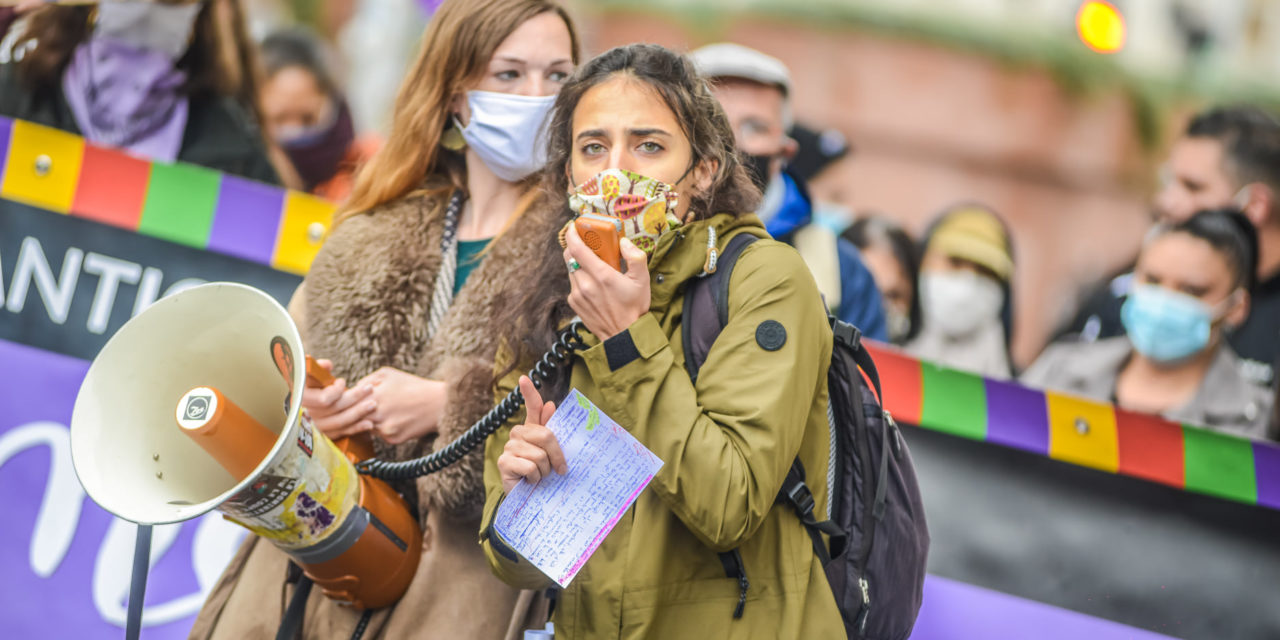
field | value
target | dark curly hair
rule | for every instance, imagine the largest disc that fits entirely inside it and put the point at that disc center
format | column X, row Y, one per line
column 537, row 314
column 702, row 121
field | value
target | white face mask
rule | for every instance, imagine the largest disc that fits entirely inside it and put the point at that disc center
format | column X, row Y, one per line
column 163, row 28
column 508, row 132
column 958, row 303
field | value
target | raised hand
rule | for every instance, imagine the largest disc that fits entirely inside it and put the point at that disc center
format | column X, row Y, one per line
column 532, row 453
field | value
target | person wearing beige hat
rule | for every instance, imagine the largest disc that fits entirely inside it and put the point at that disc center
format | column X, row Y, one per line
column 965, row 272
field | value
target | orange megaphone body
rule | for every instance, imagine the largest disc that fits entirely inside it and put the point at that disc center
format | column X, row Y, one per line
column 367, row 563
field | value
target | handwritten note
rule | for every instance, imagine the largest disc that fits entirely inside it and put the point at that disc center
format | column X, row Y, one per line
column 559, row 522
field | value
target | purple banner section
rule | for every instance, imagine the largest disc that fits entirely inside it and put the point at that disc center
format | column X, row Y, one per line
column 1017, row 417
column 959, row 611
column 246, row 221
column 6, row 129
column 66, row 562
column 1266, row 465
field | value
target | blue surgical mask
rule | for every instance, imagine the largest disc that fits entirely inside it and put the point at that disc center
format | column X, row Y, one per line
column 1166, row 326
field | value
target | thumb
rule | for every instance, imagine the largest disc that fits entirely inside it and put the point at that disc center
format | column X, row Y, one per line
column 548, row 410
column 637, row 260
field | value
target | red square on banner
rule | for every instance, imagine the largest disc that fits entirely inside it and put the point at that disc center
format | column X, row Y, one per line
column 112, row 188
column 901, row 379
column 1150, row 447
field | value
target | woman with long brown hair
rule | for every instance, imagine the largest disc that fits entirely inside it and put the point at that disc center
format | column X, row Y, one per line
column 400, row 302
column 167, row 80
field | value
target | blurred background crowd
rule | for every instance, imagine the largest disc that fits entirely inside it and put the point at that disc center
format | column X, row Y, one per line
column 1084, row 196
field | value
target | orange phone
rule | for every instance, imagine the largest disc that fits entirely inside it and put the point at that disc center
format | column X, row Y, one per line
column 601, row 234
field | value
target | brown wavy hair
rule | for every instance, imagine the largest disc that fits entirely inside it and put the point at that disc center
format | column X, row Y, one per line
column 541, row 309
column 456, row 50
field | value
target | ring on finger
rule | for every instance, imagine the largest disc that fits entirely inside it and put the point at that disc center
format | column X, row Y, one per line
column 573, row 265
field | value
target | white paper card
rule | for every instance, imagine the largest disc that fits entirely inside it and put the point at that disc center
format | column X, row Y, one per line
column 559, row 522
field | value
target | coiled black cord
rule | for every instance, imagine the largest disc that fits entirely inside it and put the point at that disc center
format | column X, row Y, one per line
column 559, row 355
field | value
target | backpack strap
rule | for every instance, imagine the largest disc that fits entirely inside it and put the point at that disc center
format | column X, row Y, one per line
column 797, row 494
column 706, row 312
column 706, row 306
column 851, row 337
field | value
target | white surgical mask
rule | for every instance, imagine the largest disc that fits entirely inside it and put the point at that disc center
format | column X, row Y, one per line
column 163, row 28
column 508, row 132
column 958, row 303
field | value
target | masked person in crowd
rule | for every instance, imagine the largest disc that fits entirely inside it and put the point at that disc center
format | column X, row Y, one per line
column 891, row 256
column 163, row 80
column 308, row 117
column 400, row 301
column 755, row 91
column 1227, row 157
column 1190, row 287
column 965, row 292
column 641, row 118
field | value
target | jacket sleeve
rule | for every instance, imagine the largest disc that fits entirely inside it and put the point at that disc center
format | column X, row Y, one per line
column 860, row 302
column 727, row 444
column 505, row 563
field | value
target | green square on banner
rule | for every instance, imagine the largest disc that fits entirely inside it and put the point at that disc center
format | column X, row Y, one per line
column 180, row 203
column 955, row 402
column 1219, row 465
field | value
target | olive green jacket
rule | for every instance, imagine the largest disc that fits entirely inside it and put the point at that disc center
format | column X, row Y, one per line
column 726, row 443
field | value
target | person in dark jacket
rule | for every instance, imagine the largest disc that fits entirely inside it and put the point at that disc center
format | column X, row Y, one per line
column 754, row 90
column 164, row 81
column 1228, row 156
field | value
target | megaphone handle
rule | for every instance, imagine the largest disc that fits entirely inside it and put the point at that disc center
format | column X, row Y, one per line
column 358, row 447
column 317, row 376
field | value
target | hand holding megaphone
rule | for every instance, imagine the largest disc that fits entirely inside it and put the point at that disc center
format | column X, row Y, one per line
column 337, row 411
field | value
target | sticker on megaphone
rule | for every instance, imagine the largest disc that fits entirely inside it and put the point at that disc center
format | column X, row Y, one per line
column 299, row 496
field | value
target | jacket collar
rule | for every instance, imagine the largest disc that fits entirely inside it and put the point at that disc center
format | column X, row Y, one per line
column 681, row 255
column 1223, row 398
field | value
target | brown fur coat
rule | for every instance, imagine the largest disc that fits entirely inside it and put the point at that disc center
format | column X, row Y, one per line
column 364, row 305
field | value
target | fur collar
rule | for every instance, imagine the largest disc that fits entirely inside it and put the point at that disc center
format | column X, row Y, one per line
column 367, row 299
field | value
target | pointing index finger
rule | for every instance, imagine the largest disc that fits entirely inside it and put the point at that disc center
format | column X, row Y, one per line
column 532, row 400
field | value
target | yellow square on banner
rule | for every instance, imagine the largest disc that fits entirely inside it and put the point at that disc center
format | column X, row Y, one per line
column 43, row 167
column 1083, row 432
column 303, row 227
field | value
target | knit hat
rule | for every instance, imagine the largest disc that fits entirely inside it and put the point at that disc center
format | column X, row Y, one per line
column 975, row 234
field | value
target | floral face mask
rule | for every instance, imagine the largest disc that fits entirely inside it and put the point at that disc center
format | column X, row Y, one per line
column 646, row 207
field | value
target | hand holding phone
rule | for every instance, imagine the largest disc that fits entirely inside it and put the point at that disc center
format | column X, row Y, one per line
column 601, row 234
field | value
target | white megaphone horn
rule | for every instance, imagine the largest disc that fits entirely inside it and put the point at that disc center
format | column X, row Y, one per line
column 194, row 405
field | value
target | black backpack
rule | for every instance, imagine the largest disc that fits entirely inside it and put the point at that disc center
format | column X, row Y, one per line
column 876, row 523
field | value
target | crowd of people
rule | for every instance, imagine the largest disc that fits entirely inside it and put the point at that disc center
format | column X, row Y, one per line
column 453, row 264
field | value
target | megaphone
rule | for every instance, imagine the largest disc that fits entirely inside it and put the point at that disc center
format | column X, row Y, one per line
column 194, row 405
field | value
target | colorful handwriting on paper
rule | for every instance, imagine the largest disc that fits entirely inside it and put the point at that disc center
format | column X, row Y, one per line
column 559, row 522
column 593, row 413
